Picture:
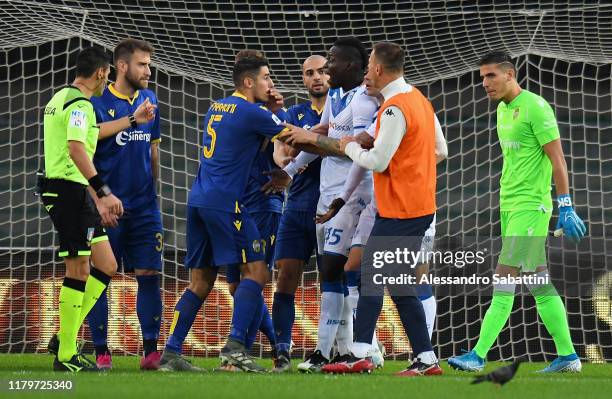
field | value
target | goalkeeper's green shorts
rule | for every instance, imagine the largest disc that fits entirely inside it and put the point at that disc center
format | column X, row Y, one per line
column 524, row 239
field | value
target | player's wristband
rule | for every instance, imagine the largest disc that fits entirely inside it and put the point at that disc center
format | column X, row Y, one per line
column 132, row 119
column 101, row 189
column 564, row 200
column 291, row 169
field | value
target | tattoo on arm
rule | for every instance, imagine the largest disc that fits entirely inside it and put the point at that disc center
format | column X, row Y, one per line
column 330, row 145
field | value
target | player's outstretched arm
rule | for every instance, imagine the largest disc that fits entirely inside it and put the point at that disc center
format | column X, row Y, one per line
column 143, row 114
column 569, row 222
column 390, row 133
column 314, row 141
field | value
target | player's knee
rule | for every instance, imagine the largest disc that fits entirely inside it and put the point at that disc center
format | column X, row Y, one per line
column 257, row 271
column 353, row 262
column 81, row 274
column 202, row 282
column 289, row 276
column 332, row 268
column 421, row 270
column 540, row 286
column 201, row 288
column 108, row 266
column 77, row 267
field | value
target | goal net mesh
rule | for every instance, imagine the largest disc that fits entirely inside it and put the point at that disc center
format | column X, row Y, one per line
column 563, row 52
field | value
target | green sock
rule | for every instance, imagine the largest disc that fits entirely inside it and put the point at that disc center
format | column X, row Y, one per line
column 552, row 311
column 70, row 305
column 96, row 283
column 494, row 321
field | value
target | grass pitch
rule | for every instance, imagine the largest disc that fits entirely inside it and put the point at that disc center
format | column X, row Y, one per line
column 126, row 380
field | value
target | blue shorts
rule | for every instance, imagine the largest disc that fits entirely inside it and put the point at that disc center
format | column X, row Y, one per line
column 297, row 236
column 138, row 241
column 389, row 235
column 216, row 238
column 267, row 225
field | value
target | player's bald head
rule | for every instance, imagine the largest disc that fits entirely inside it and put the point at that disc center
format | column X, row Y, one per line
column 315, row 61
column 314, row 76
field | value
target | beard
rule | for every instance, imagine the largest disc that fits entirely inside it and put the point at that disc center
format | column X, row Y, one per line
column 135, row 82
column 317, row 94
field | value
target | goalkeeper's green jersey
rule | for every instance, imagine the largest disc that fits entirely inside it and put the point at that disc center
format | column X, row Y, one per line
column 69, row 116
column 523, row 127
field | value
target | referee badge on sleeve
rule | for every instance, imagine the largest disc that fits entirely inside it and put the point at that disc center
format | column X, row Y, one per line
column 77, row 119
column 90, row 233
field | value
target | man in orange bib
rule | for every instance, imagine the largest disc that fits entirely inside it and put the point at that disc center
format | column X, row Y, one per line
column 404, row 164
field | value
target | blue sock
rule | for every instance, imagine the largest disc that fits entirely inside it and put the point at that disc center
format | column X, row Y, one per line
column 367, row 316
column 352, row 278
column 412, row 316
column 247, row 302
column 149, row 310
column 254, row 326
column 283, row 316
column 424, row 291
column 185, row 312
column 333, row 286
column 266, row 326
column 98, row 323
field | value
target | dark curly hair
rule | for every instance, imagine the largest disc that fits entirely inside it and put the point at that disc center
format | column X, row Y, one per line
column 248, row 62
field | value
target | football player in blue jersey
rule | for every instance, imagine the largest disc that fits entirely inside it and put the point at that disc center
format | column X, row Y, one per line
column 296, row 238
column 220, row 230
column 129, row 162
column 266, row 210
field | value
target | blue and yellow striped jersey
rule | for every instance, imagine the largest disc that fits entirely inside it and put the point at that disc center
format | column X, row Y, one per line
column 235, row 130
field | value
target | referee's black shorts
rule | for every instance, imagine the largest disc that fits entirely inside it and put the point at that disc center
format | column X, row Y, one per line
column 74, row 216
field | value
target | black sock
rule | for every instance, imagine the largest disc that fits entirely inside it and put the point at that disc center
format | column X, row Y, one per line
column 102, row 349
column 150, row 346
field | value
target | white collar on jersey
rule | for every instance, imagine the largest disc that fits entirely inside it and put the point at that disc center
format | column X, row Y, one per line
column 397, row 86
column 345, row 92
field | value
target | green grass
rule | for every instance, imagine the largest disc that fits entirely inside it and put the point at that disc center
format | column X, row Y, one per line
column 126, row 380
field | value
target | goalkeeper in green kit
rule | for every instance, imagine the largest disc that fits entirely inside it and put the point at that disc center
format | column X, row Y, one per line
column 532, row 152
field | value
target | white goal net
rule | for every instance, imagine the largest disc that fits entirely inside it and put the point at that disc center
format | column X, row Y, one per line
column 563, row 52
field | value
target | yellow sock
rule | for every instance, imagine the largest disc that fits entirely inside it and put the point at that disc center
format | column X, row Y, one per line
column 70, row 305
